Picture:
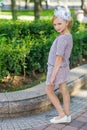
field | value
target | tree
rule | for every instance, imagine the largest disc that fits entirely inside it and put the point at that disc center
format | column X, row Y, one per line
column 19, row 5
column 37, row 9
column 46, row 4
column 82, row 4
column 13, row 8
column 84, row 7
column 1, row 4
column 40, row 1
column 26, row 1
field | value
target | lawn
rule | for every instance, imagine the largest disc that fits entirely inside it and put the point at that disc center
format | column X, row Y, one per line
column 28, row 12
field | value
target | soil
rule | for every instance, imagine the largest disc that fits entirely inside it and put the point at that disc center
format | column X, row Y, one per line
column 11, row 83
column 16, row 83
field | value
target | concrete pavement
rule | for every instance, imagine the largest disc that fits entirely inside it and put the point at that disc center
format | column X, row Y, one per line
column 41, row 121
column 79, row 122
column 78, row 112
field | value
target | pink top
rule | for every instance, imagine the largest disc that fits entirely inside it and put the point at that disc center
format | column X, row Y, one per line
column 62, row 46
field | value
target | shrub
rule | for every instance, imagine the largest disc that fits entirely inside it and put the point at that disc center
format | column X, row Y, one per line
column 79, row 43
column 24, row 46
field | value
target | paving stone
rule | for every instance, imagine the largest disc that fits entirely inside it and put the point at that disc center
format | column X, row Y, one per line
column 50, row 128
column 17, row 129
column 76, row 123
column 40, row 128
column 41, row 121
column 82, row 119
column 85, row 114
column 58, row 126
column 83, row 129
column 69, row 128
column 84, row 126
column 4, row 126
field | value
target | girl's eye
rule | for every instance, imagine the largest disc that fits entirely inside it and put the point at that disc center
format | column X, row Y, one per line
column 54, row 24
column 59, row 23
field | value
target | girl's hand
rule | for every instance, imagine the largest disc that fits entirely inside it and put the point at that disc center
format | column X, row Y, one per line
column 52, row 82
column 57, row 64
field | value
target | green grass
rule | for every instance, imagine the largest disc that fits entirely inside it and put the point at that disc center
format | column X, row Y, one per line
column 28, row 12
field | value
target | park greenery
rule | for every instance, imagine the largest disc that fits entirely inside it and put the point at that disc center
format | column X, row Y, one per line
column 38, row 6
column 48, row 13
column 24, row 46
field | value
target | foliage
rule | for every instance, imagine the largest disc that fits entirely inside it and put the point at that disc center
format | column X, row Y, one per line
column 47, row 13
column 12, row 56
column 24, row 46
column 79, row 43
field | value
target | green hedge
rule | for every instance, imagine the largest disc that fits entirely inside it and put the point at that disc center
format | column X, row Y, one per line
column 79, row 43
column 24, row 46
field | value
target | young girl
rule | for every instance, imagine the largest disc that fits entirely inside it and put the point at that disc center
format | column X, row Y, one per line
column 58, row 64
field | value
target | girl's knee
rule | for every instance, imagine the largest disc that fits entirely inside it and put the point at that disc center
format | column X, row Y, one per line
column 49, row 89
column 63, row 88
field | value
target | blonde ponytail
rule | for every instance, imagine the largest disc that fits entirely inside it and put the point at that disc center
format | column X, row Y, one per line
column 70, row 23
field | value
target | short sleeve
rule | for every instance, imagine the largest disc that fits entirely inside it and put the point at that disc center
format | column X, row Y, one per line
column 61, row 45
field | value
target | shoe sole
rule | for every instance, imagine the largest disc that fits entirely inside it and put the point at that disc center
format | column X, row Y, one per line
column 55, row 122
column 68, row 121
column 59, row 122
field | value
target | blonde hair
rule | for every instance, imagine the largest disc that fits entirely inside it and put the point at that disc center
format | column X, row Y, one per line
column 70, row 22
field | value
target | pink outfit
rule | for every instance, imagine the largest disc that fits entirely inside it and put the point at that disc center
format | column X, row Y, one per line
column 62, row 45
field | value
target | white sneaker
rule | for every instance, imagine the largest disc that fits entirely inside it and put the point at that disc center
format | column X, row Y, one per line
column 62, row 120
column 69, row 119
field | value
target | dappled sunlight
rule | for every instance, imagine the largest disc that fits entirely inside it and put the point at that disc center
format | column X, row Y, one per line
column 75, row 73
column 80, row 93
column 81, row 17
column 80, row 70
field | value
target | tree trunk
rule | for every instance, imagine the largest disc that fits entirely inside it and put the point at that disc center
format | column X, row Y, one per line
column 46, row 4
column 0, row 7
column 82, row 4
column 37, row 9
column 40, row 4
column 13, row 8
column 26, row 1
column 85, row 9
column 19, row 5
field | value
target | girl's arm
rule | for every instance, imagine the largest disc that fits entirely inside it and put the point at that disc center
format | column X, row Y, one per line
column 57, row 64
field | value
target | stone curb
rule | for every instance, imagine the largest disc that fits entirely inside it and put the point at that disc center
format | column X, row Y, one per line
column 34, row 100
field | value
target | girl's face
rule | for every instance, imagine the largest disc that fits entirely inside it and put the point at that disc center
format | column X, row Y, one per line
column 60, row 25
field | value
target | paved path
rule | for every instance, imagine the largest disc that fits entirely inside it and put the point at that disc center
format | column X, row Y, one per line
column 41, row 121
column 80, row 17
column 22, row 17
column 79, row 122
column 78, row 112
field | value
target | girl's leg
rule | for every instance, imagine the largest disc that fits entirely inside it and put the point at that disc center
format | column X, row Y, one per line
column 55, row 101
column 66, row 97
